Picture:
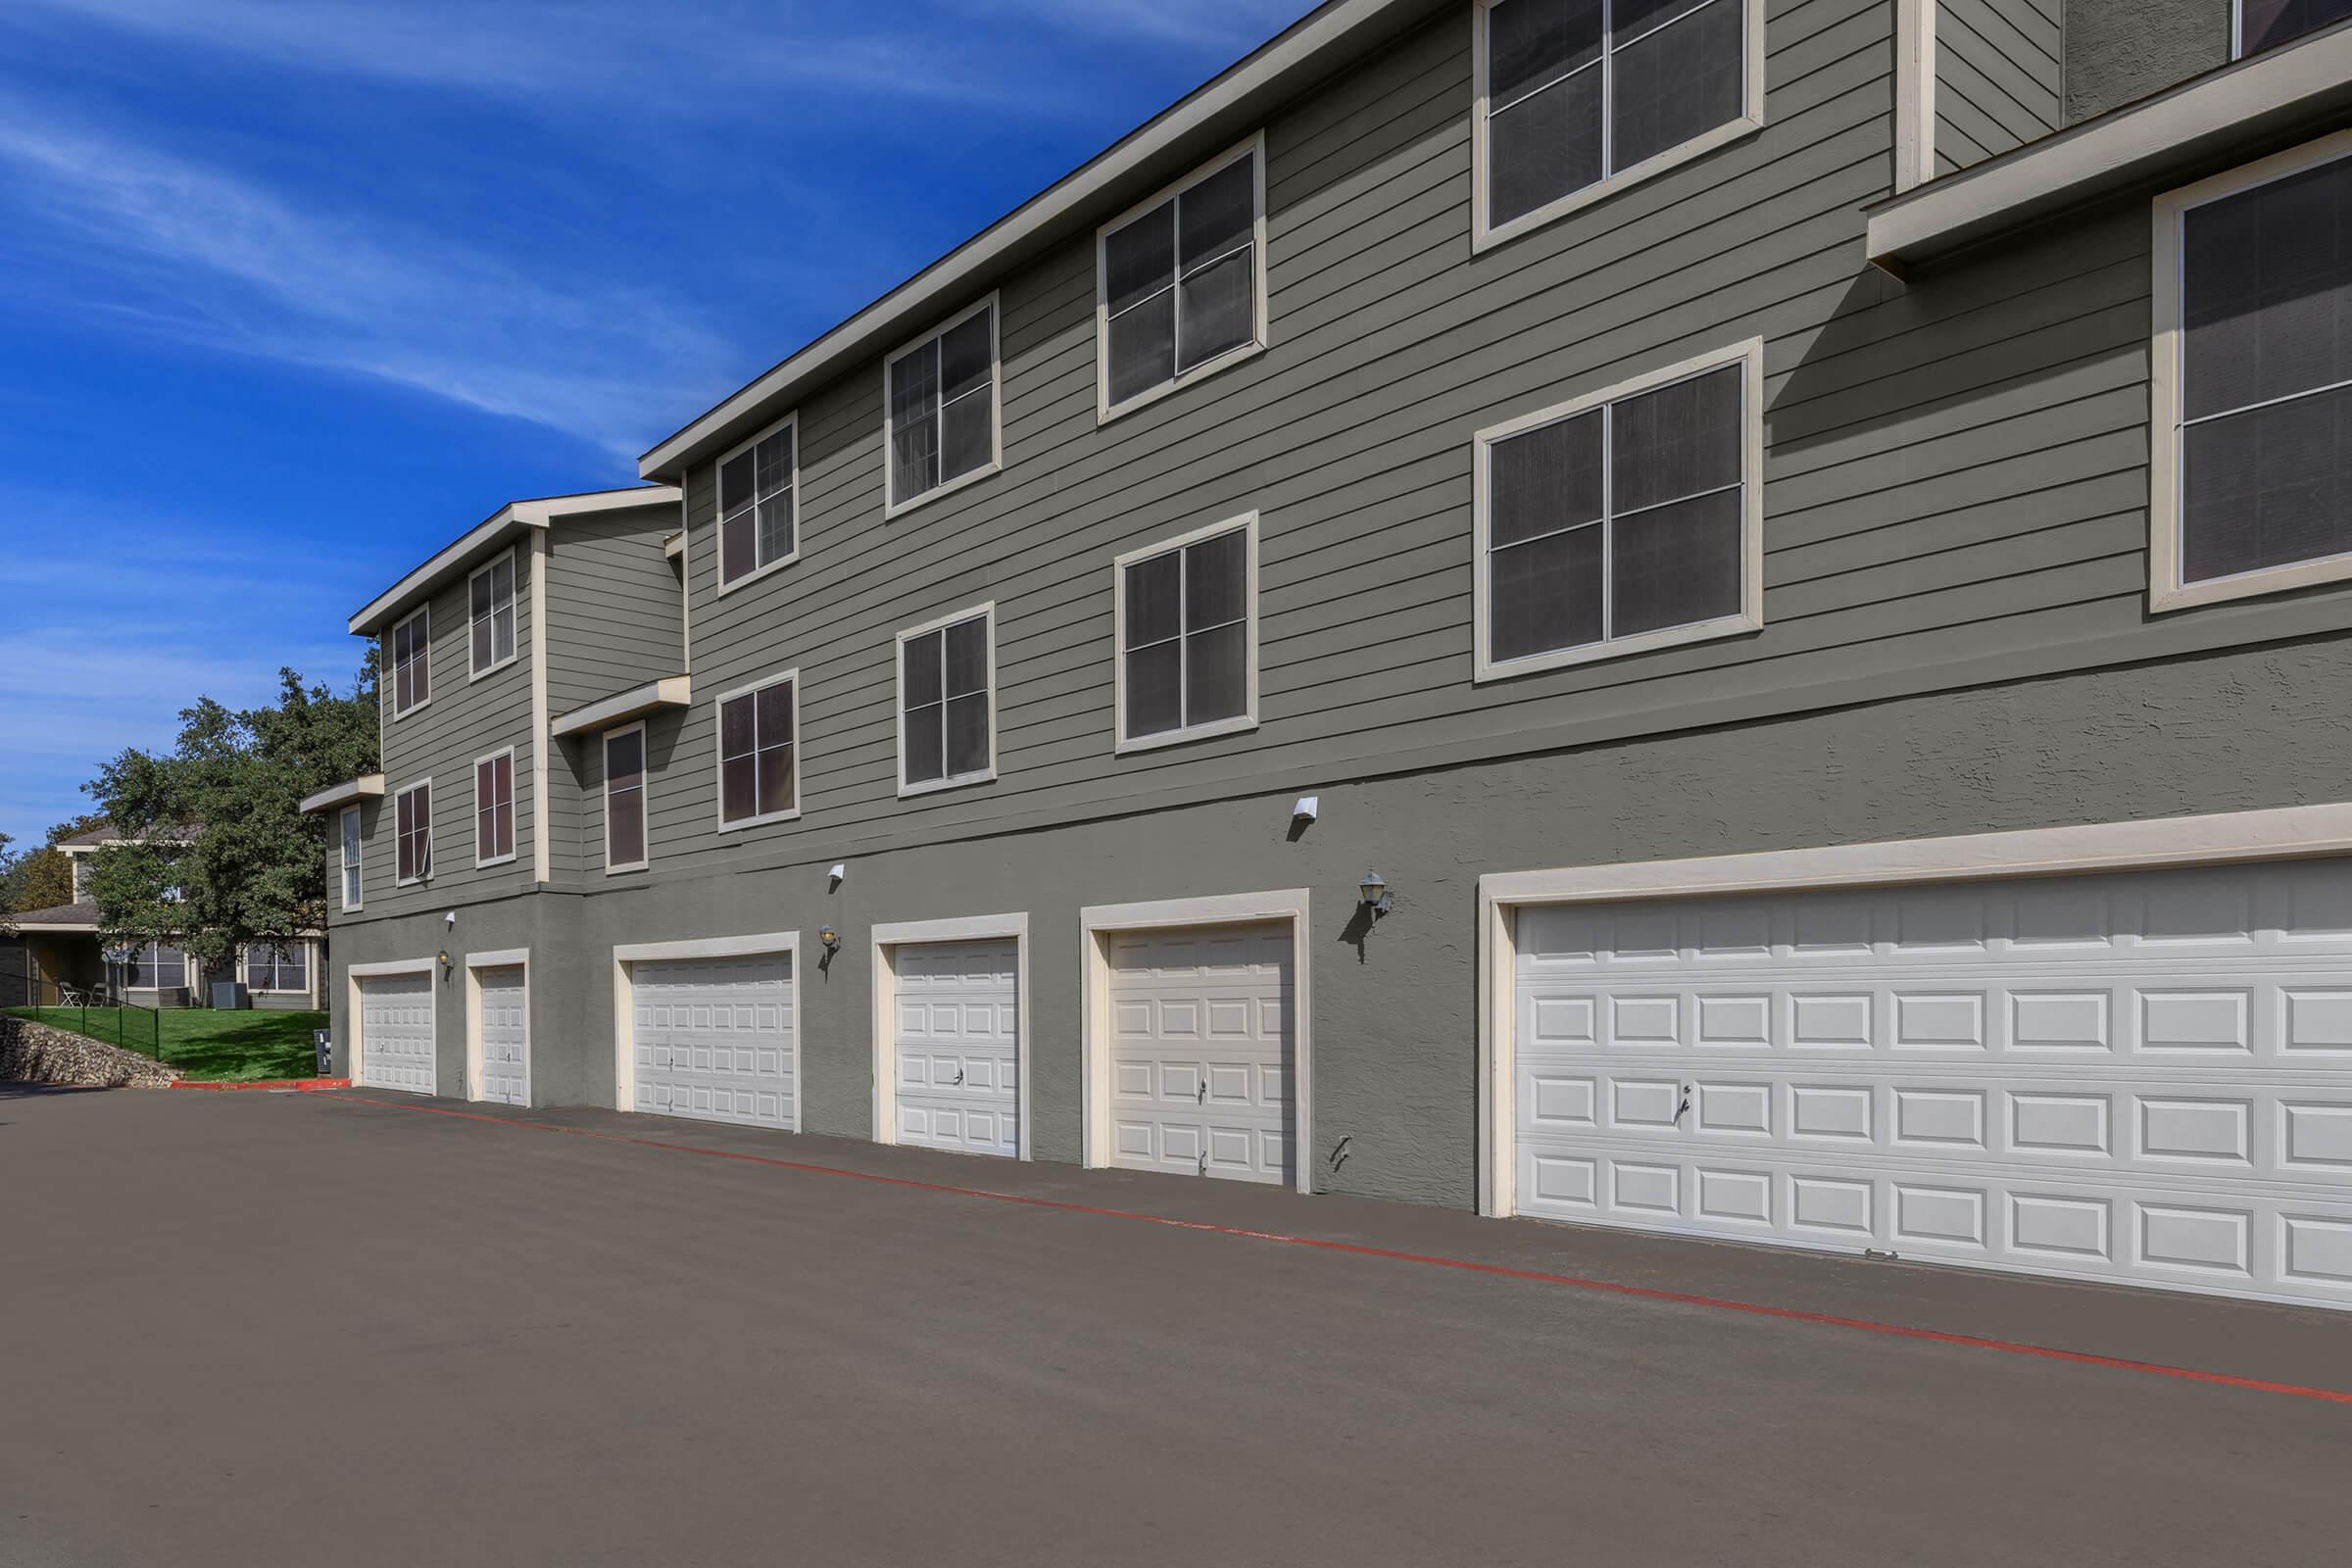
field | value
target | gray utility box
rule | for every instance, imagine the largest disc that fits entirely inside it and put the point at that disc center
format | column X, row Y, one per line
column 230, row 995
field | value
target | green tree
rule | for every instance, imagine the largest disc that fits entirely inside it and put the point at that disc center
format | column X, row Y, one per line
column 222, row 854
column 43, row 878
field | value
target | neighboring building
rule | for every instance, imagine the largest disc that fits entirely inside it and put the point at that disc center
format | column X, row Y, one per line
column 54, row 955
column 1681, row 507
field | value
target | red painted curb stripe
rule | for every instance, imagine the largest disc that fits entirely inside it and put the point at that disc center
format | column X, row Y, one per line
column 1493, row 1270
column 305, row 1085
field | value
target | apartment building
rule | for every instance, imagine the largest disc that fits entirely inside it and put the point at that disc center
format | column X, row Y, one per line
column 1723, row 617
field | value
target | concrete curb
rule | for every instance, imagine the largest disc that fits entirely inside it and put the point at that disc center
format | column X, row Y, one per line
column 306, row 1086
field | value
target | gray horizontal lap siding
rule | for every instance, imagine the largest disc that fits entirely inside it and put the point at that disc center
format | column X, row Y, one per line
column 1999, row 81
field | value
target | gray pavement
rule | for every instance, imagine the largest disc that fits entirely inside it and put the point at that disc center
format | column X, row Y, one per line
column 258, row 1329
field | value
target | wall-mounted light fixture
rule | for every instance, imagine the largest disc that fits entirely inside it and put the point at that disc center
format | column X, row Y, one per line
column 1374, row 892
column 445, row 961
column 451, row 918
column 1308, row 809
column 830, row 938
column 837, row 876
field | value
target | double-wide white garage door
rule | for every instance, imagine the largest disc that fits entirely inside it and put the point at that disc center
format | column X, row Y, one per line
column 1202, row 1047
column 2145, row 1078
column 712, row 1039
column 956, row 1047
column 396, row 1032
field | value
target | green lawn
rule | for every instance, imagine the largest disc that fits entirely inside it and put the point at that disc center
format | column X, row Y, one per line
column 230, row 1048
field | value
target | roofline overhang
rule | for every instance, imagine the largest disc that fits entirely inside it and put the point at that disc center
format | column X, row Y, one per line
column 1314, row 46
column 41, row 928
column 670, row 691
column 509, row 518
column 2231, row 115
column 369, row 787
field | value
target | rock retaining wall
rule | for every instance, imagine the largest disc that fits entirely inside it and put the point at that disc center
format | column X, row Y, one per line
column 37, row 1054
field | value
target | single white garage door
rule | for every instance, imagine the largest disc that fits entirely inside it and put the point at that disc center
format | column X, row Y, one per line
column 396, row 1032
column 2144, row 1078
column 958, row 1027
column 505, row 1035
column 1201, row 1051
column 714, row 1038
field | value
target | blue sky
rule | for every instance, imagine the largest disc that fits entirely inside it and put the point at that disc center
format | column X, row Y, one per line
column 294, row 291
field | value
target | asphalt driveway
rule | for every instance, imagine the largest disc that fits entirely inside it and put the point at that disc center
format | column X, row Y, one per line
column 259, row 1329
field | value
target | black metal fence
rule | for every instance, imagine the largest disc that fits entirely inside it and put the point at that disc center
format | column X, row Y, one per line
column 117, row 1022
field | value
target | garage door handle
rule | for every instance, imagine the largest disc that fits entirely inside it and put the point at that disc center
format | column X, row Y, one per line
column 959, row 1077
column 1202, row 1097
column 1683, row 1109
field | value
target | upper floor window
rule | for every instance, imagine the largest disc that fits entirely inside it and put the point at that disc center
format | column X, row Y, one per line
column 1575, row 96
column 1184, row 282
column 944, row 408
column 946, row 676
column 2261, row 24
column 2252, row 460
column 1625, row 520
column 349, row 828
column 412, row 812
column 757, row 779
column 494, row 809
column 756, row 485
column 1186, row 617
column 411, row 668
column 155, row 966
column 491, row 591
column 624, row 800
column 277, row 966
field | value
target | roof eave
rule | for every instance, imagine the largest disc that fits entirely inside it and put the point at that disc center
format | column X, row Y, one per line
column 542, row 513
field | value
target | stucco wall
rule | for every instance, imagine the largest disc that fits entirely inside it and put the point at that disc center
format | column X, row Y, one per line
column 2120, row 50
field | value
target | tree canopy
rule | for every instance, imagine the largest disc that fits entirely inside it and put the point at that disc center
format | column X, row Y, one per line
column 220, row 855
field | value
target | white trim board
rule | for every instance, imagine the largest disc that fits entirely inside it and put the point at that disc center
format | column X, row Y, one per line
column 624, row 1002
column 369, row 787
column 886, row 940
column 538, row 514
column 2280, row 833
column 1098, row 922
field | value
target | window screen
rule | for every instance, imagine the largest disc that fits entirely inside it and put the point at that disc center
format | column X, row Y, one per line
column 1578, row 91
column 270, row 966
column 494, row 807
column 755, row 755
column 2266, row 396
column 2265, row 22
column 415, row 812
column 1186, row 636
column 351, row 858
column 493, row 607
column 1624, row 519
column 944, row 697
column 411, row 673
column 155, row 966
column 943, row 408
column 625, row 799
column 1180, row 282
column 755, row 505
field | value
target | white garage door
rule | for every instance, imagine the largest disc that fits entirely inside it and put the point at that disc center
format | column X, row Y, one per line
column 714, row 1038
column 957, row 1062
column 2142, row 1078
column 396, row 1032
column 1201, row 1051
column 506, row 1034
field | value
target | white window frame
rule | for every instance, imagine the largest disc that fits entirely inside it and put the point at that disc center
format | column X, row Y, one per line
column 350, row 867
column 718, row 754
column 1484, row 232
column 2167, row 591
column 1750, row 617
column 512, row 561
column 893, row 503
column 1253, row 145
column 425, row 784
column 425, row 656
column 1247, row 720
column 245, row 961
column 514, row 812
column 718, row 508
column 986, row 611
column 645, row 796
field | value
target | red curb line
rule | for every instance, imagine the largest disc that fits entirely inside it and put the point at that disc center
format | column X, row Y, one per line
column 1493, row 1270
column 306, row 1086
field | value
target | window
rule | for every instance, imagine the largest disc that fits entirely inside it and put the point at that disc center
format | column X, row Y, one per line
column 82, row 878
column 413, row 810
column 412, row 671
column 947, row 677
column 1627, row 519
column 2252, row 460
column 624, row 800
column 274, row 966
column 757, row 781
column 491, row 591
column 943, row 414
column 2263, row 24
column 756, row 483
column 1577, row 95
column 155, row 966
column 1187, row 617
column 494, row 810
column 351, row 856
column 1184, row 282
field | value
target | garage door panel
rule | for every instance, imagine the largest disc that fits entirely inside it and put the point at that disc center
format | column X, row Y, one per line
column 1201, row 1051
column 503, row 1027
column 397, row 1041
column 714, row 1038
column 2145, row 1078
column 959, row 1032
